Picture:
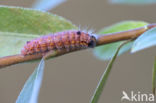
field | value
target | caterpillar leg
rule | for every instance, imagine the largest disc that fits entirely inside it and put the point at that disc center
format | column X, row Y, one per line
column 48, row 54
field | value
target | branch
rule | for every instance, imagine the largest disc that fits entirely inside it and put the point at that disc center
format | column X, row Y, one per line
column 125, row 35
column 101, row 40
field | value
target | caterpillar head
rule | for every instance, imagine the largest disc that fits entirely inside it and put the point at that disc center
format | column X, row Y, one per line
column 92, row 42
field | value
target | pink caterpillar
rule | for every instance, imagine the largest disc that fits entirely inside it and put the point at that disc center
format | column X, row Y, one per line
column 68, row 40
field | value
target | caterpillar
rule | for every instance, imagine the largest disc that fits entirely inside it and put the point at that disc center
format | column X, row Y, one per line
column 66, row 40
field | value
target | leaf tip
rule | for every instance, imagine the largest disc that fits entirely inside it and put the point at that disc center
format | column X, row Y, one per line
column 133, row 50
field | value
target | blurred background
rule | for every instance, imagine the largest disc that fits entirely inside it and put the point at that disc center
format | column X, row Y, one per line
column 72, row 78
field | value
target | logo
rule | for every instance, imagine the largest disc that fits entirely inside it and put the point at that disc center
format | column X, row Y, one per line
column 137, row 97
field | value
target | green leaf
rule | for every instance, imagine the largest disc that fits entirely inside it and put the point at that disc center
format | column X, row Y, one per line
column 146, row 40
column 154, row 77
column 137, row 2
column 19, row 25
column 107, row 51
column 105, row 75
column 30, row 91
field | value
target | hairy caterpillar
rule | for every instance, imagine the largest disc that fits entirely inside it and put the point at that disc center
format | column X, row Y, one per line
column 67, row 40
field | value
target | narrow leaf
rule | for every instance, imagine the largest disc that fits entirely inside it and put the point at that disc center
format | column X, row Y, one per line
column 30, row 91
column 19, row 25
column 133, row 2
column 105, row 75
column 46, row 5
column 154, row 77
column 106, row 52
column 146, row 40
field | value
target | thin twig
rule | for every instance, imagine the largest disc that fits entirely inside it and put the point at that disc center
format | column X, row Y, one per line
column 125, row 35
column 101, row 40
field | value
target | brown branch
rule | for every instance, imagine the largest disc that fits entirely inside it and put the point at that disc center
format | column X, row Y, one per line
column 125, row 35
column 101, row 40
